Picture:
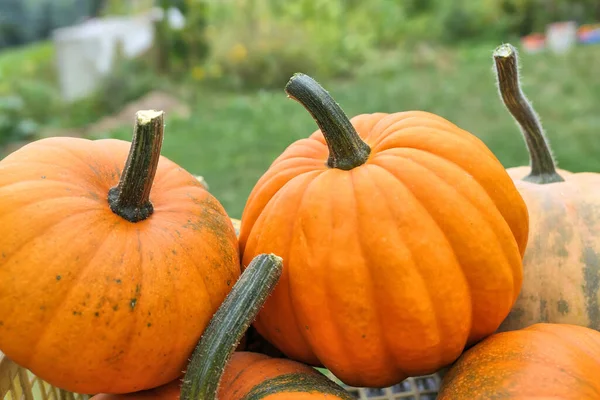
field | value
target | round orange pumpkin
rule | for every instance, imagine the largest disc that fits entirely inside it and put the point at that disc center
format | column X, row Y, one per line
column 402, row 237
column 213, row 372
column 108, row 275
column 549, row 361
column 562, row 263
column 254, row 376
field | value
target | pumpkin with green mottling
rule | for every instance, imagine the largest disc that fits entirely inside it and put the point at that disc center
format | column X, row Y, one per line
column 561, row 266
column 543, row 361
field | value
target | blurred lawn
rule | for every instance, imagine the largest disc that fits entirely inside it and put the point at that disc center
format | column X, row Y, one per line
column 33, row 61
column 232, row 138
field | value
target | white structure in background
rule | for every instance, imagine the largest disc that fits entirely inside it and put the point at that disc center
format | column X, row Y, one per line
column 561, row 36
column 85, row 53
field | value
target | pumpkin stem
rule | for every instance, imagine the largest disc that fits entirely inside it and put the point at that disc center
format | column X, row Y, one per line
column 346, row 149
column 228, row 325
column 543, row 167
column 130, row 199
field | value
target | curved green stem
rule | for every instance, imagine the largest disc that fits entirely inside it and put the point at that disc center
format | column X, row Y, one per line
column 228, row 325
column 346, row 149
column 543, row 167
column 130, row 199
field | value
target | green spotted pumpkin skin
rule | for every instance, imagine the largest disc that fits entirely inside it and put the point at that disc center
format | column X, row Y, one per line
column 254, row 376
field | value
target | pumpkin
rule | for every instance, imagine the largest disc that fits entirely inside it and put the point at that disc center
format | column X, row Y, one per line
column 557, row 361
column 108, row 274
column 562, row 262
column 251, row 375
column 244, row 375
column 402, row 237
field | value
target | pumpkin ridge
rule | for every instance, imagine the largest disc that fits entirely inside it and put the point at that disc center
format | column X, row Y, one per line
column 263, row 216
column 433, row 155
column 289, row 250
column 372, row 133
column 40, row 232
column 440, row 158
column 59, row 305
column 302, row 146
column 429, row 132
column 475, row 209
column 58, row 145
column 248, row 366
column 267, row 182
column 327, row 278
column 365, row 258
column 411, row 251
column 81, row 197
column 30, row 180
column 388, row 356
column 591, row 284
column 573, row 345
column 296, row 383
column 187, row 255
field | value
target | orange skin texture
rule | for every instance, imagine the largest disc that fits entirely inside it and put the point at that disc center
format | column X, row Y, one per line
column 244, row 372
column 393, row 267
column 562, row 262
column 247, row 370
column 89, row 301
column 543, row 361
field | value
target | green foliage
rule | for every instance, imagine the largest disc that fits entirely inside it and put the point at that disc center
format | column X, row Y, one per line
column 259, row 43
column 130, row 80
column 13, row 125
column 30, row 62
column 178, row 49
column 30, row 98
column 27, row 98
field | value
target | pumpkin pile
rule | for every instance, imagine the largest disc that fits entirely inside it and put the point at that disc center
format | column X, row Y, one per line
column 382, row 246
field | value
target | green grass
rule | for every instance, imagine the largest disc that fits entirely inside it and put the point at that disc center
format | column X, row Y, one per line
column 32, row 61
column 232, row 138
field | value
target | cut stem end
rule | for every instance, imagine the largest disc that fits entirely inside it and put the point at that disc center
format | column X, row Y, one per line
column 130, row 199
column 543, row 166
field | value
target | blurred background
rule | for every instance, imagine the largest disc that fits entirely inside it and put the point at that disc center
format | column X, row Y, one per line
column 218, row 67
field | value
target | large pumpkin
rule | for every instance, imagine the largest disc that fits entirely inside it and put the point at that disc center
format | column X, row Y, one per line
column 562, row 263
column 108, row 277
column 549, row 361
column 245, row 375
column 402, row 237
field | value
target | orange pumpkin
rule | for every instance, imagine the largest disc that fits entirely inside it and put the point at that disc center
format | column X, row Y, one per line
column 402, row 237
column 246, row 375
column 549, row 361
column 254, row 376
column 108, row 275
column 562, row 262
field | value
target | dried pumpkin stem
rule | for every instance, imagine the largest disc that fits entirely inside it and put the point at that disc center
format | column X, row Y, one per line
column 228, row 325
column 543, row 167
column 346, row 149
column 130, row 199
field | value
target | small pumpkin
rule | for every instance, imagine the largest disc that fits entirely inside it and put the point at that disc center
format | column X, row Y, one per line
column 557, row 361
column 402, row 237
column 244, row 375
column 562, row 262
column 108, row 275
